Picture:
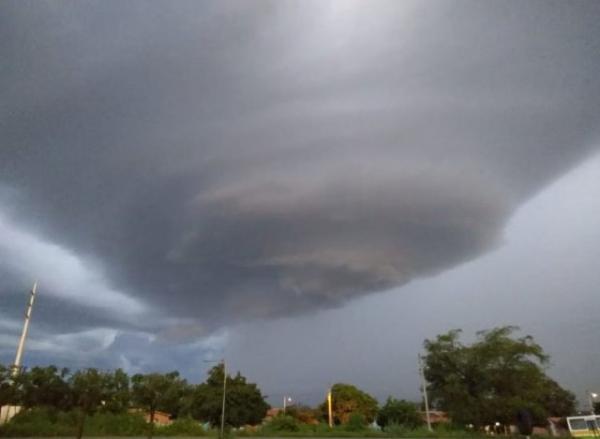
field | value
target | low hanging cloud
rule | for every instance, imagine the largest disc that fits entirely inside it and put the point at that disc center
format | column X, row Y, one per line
column 61, row 272
column 221, row 162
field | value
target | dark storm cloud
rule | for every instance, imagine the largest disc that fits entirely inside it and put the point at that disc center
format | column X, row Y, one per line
column 224, row 161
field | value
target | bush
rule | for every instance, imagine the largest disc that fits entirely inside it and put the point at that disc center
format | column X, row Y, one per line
column 182, row 427
column 356, row 422
column 283, row 423
column 397, row 430
column 439, row 431
column 399, row 412
column 109, row 424
column 321, row 429
column 39, row 422
column 50, row 422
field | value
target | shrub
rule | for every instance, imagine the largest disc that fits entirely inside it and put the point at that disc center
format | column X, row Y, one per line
column 109, row 424
column 439, row 431
column 39, row 422
column 396, row 430
column 49, row 422
column 283, row 423
column 321, row 429
column 399, row 412
column 304, row 414
column 356, row 422
column 182, row 427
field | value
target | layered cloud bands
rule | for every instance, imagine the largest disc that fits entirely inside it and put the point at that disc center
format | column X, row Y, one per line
column 316, row 236
column 225, row 161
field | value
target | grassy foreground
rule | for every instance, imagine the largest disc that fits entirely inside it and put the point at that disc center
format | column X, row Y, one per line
column 49, row 423
column 341, row 432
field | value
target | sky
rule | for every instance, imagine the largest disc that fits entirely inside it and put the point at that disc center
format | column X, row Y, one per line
column 307, row 189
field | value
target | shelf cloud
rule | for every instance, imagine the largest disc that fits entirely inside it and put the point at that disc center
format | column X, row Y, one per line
column 219, row 162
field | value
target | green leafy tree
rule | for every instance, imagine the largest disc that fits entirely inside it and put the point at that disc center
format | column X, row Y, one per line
column 399, row 412
column 348, row 400
column 177, row 401
column 8, row 389
column 44, row 387
column 556, row 400
column 245, row 404
column 157, row 391
column 119, row 396
column 90, row 389
column 493, row 378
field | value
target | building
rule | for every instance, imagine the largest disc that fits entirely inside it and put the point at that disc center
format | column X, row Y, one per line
column 160, row 418
column 7, row 412
column 435, row 416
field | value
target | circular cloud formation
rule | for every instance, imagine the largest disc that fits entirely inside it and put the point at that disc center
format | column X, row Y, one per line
column 225, row 161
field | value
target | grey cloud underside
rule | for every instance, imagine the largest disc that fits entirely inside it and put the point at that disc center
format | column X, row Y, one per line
column 227, row 161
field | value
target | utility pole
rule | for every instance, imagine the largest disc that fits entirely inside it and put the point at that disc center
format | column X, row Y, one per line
column 222, row 432
column 591, row 396
column 223, row 408
column 286, row 399
column 21, row 346
column 330, row 408
column 424, row 391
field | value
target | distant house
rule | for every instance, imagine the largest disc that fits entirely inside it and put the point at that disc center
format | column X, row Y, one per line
column 271, row 413
column 435, row 416
column 160, row 418
column 7, row 412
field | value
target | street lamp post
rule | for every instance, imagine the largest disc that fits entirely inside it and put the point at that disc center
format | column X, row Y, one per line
column 424, row 391
column 330, row 408
column 223, row 407
column 286, row 400
column 222, row 433
column 592, row 396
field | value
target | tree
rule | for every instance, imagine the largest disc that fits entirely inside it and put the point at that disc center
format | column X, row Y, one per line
column 90, row 389
column 245, row 404
column 119, row 396
column 348, row 400
column 43, row 387
column 157, row 391
column 556, row 400
column 8, row 390
column 398, row 412
column 492, row 379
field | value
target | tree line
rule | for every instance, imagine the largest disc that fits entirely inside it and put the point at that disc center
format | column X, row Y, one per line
column 500, row 377
column 497, row 378
column 89, row 391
